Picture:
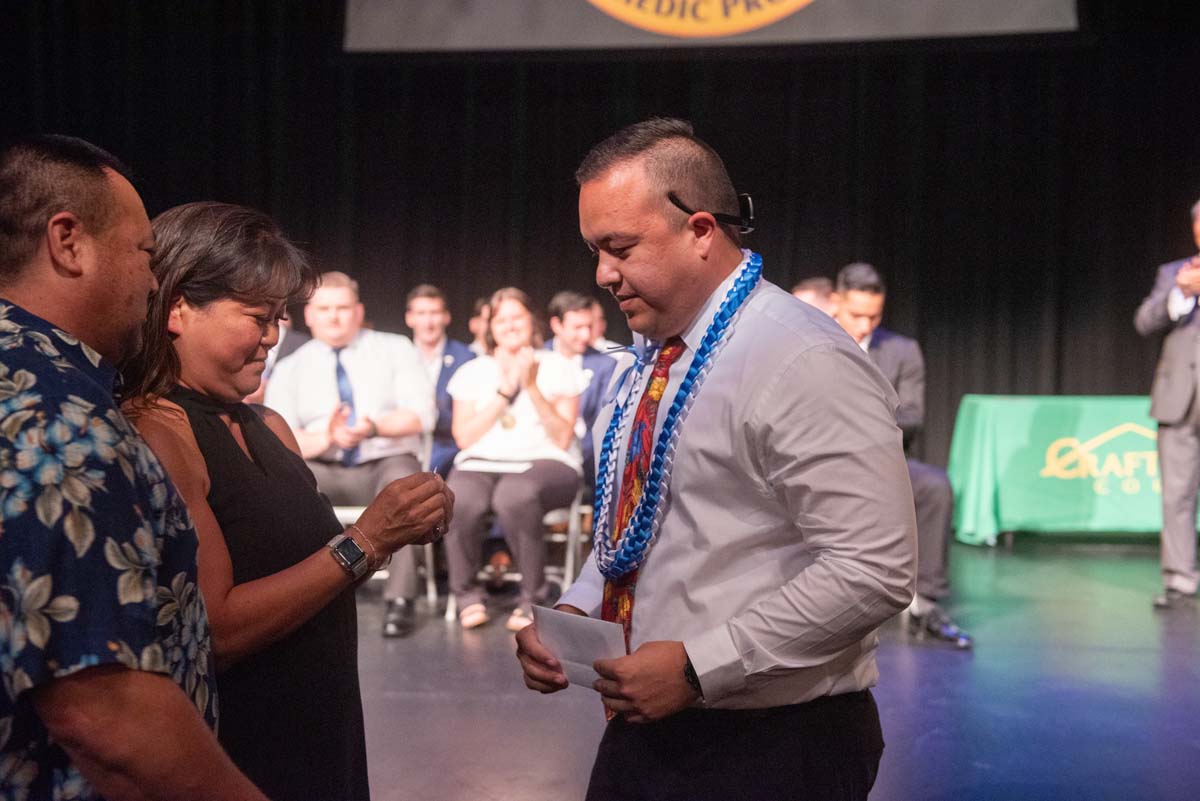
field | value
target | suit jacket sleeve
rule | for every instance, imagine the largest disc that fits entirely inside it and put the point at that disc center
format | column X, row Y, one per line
column 910, row 387
column 1152, row 316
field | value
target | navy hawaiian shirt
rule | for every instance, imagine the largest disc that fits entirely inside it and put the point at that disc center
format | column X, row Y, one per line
column 97, row 550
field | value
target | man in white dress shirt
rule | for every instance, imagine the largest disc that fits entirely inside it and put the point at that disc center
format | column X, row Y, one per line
column 787, row 533
column 359, row 402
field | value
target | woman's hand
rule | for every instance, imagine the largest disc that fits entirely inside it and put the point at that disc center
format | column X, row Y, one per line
column 510, row 378
column 413, row 510
column 527, row 368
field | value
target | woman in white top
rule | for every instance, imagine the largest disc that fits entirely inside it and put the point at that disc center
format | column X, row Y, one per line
column 514, row 421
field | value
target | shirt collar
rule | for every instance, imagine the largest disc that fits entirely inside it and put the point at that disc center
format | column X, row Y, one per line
column 866, row 342
column 15, row 320
column 351, row 345
column 693, row 335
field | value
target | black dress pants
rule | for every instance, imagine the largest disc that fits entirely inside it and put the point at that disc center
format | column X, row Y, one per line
column 825, row 750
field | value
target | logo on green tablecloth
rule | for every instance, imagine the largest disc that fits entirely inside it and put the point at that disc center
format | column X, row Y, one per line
column 1115, row 461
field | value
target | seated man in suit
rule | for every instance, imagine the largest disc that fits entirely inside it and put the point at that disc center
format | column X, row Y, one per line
column 572, row 321
column 425, row 313
column 859, row 309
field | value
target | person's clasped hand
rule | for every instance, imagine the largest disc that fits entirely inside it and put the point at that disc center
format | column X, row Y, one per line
column 527, row 368
column 1188, row 278
column 413, row 510
column 342, row 433
column 646, row 685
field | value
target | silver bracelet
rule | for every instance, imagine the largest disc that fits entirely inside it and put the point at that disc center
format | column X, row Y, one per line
column 374, row 553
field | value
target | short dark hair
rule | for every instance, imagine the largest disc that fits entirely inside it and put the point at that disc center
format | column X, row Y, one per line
column 862, row 277
column 41, row 176
column 568, row 301
column 819, row 285
column 424, row 291
column 676, row 160
column 205, row 252
column 480, row 306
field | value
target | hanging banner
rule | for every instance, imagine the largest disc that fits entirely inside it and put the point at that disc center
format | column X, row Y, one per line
column 482, row 25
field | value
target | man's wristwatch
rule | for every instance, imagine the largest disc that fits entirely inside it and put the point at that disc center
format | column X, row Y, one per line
column 689, row 675
column 349, row 556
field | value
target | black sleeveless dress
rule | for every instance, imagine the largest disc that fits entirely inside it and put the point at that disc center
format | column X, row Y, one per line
column 290, row 716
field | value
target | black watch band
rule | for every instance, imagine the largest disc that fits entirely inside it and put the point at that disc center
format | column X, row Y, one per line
column 689, row 675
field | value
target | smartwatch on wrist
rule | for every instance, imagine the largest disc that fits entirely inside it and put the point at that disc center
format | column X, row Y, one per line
column 689, row 675
column 349, row 556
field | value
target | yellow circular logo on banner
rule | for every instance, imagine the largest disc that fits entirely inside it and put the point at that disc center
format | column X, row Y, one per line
column 697, row 19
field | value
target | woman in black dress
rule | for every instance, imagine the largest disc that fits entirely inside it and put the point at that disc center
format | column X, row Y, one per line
column 276, row 568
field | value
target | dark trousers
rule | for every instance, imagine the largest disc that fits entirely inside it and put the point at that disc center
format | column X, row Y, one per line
column 358, row 486
column 825, row 750
column 934, row 501
column 520, row 501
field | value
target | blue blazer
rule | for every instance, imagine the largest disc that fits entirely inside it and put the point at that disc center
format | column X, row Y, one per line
column 444, row 450
column 601, row 367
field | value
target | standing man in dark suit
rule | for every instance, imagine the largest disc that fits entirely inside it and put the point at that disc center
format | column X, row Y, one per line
column 859, row 310
column 1171, row 307
column 426, row 314
column 572, row 321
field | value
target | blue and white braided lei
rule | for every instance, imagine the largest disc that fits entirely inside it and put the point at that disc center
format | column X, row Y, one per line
column 615, row 559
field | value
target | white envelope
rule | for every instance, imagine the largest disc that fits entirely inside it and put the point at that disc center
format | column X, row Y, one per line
column 578, row 641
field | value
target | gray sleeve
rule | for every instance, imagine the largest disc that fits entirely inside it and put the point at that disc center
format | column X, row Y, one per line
column 1152, row 315
column 910, row 387
column 833, row 458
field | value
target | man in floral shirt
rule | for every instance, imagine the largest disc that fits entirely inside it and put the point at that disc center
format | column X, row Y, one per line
column 108, row 679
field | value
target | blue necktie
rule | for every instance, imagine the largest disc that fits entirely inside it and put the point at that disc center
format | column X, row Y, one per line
column 346, row 395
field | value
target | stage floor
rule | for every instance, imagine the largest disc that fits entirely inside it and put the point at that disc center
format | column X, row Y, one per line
column 1076, row 689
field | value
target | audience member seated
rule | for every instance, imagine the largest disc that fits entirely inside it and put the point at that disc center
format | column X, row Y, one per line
column 426, row 315
column 477, row 324
column 817, row 292
column 859, row 310
column 358, row 402
column 514, row 419
column 600, row 328
column 571, row 321
column 276, row 569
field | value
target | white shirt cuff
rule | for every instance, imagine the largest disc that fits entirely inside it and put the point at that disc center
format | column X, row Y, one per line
column 717, row 663
column 1178, row 305
column 587, row 592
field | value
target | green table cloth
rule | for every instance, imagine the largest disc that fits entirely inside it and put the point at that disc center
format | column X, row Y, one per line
column 1054, row 464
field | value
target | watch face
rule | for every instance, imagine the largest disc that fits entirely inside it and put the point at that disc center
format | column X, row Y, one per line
column 350, row 550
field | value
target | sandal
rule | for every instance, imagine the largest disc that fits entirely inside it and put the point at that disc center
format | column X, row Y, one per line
column 473, row 616
column 518, row 620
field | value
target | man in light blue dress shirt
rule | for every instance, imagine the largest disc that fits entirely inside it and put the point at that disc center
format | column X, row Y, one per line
column 786, row 533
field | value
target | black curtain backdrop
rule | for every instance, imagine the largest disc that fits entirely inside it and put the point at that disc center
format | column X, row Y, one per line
column 1017, row 193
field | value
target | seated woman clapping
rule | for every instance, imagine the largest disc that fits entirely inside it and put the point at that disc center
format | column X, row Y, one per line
column 276, row 569
column 514, row 419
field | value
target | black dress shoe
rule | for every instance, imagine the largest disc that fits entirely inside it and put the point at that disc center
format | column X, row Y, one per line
column 399, row 618
column 1174, row 599
column 937, row 624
